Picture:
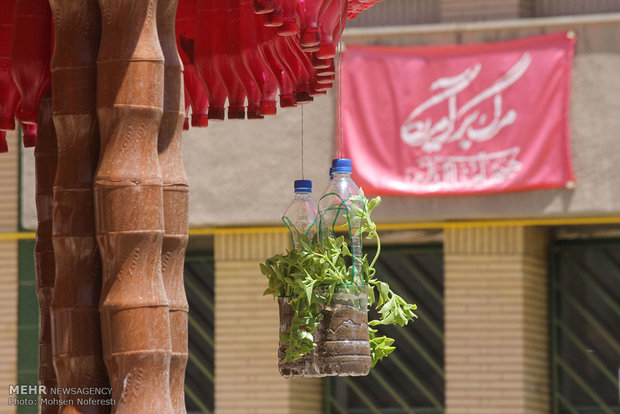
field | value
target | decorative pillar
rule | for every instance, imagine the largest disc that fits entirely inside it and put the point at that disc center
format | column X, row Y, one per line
column 175, row 198
column 496, row 320
column 129, row 208
column 75, row 320
column 45, row 154
column 246, row 333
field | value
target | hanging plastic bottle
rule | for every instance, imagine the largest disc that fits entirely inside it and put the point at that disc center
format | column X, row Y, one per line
column 266, row 38
column 4, row 147
column 258, row 72
column 274, row 18
column 187, row 105
column 199, row 100
column 301, row 215
column 309, row 11
column 30, row 54
column 290, row 25
column 9, row 94
column 300, row 219
column 208, row 40
column 332, row 15
column 342, row 337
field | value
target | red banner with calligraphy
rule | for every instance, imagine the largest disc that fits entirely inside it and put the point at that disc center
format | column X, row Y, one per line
column 462, row 119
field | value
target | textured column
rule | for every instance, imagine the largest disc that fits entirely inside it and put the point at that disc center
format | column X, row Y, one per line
column 129, row 208
column 78, row 358
column 45, row 154
column 176, row 201
column 496, row 321
column 246, row 333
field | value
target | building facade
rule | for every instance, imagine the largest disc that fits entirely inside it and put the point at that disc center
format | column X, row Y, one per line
column 518, row 292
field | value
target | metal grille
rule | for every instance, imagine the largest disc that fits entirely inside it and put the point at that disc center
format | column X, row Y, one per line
column 411, row 380
column 199, row 377
column 585, row 327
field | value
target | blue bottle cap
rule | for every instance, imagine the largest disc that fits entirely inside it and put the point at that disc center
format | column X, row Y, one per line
column 303, row 186
column 341, row 165
column 331, row 172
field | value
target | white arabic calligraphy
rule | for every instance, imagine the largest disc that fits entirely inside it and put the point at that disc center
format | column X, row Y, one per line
column 447, row 172
column 458, row 125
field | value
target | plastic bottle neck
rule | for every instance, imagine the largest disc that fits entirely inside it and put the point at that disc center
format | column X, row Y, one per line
column 301, row 196
column 341, row 175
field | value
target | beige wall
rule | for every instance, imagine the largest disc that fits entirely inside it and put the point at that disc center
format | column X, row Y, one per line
column 246, row 333
column 8, row 272
column 241, row 172
column 496, row 321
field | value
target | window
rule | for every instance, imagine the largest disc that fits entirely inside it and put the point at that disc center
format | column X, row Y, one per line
column 412, row 378
column 585, row 321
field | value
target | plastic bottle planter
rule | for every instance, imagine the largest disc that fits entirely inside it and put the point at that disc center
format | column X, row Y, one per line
column 300, row 219
column 305, row 366
column 343, row 346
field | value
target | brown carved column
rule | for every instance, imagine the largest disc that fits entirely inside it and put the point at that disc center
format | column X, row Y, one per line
column 78, row 358
column 129, row 208
column 45, row 154
column 175, row 192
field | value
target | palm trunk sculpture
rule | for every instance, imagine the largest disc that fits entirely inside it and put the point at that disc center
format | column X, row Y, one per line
column 45, row 154
column 175, row 200
column 129, row 202
column 77, row 346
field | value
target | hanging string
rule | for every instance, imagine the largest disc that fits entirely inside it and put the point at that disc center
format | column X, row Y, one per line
column 339, row 79
column 302, row 142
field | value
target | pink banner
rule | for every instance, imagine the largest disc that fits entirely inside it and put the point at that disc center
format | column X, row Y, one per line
column 463, row 119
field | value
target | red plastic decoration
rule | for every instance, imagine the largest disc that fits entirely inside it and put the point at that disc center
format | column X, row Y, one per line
column 4, row 147
column 9, row 95
column 263, row 6
column 275, row 18
column 290, row 21
column 197, row 97
column 29, row 131
column 332, row 15
column 266, row 39
column 254, row 59
column 358, row 6
column 309, row 11
column 204, row 62
column 31, row 53
column 187, row 105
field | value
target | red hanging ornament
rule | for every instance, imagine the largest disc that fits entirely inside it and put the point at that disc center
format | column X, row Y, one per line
column 31, row 53
column 4, row 147
column 197, row 97
column 204, row 48
column 290, row 20
column 9, row 95
column 309, row 11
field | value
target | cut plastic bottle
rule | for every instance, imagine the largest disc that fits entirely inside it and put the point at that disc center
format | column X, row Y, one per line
column 300, row 219
column 343, row 346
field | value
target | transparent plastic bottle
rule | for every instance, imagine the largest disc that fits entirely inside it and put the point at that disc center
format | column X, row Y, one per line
column 337, row 206
column 342, row 337
column 301, row 215
column 300, row 219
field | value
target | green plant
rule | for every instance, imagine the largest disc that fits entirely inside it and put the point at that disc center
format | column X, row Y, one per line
column 309, row 275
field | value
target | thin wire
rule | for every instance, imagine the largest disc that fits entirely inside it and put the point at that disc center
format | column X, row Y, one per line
column 339, row 74
column 302, row 142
